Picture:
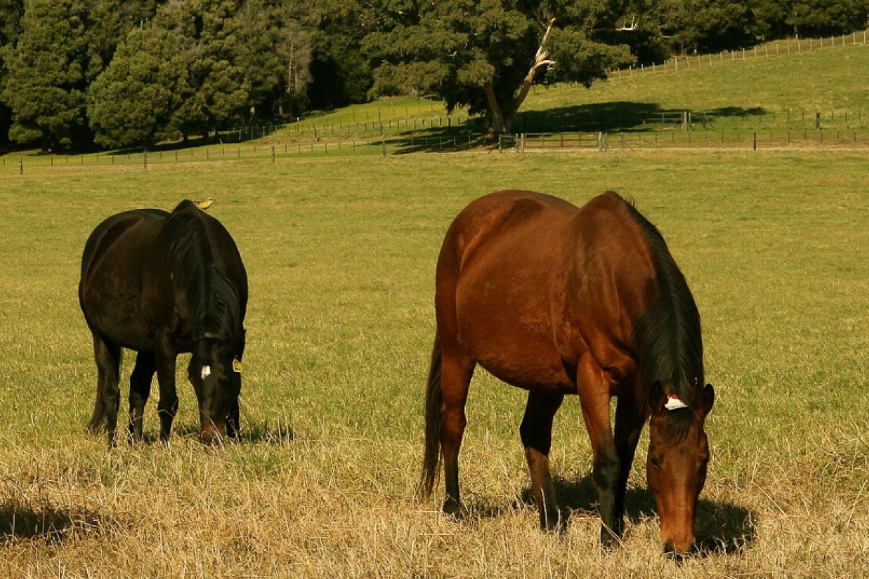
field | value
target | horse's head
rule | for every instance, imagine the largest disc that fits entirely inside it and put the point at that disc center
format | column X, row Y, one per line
column 215, row 372
column 676, row 465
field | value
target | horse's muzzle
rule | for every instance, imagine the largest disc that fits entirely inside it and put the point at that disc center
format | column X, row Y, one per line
column 212, row 433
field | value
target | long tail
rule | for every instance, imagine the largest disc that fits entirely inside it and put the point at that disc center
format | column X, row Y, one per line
column 433, row 402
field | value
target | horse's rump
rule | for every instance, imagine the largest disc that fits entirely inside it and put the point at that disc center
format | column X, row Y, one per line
column 113, row 260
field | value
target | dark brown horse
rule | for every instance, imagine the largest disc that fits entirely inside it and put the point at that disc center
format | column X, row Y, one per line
column 162, row 284
column 560, row 300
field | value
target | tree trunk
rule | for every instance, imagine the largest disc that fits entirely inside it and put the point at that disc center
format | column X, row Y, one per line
column 541, row 60
column 497, row 118
column 497, row 125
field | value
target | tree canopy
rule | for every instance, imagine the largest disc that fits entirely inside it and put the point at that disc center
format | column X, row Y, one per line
column 485, row 55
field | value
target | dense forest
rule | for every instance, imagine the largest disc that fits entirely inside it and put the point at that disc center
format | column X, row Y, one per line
column 75, row 74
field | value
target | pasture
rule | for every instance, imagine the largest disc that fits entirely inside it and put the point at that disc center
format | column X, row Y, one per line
column 341, row 252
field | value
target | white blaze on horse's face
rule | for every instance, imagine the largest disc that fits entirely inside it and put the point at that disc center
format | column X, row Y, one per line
column 206, row 371
column 673, row 403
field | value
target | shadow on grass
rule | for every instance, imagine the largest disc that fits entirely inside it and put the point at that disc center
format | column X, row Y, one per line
column 720, row 528
column 251, row 432
column 618, row 116
column 28, row 521
column 606, row 117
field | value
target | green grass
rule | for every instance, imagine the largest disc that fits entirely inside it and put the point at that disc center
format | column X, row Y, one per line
column 341, row 253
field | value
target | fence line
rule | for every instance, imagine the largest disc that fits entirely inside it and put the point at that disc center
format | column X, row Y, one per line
column 776, row 48
column 245, row 151
column 522, row 142
column 603, row 141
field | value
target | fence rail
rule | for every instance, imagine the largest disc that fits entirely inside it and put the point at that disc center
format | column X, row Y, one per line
column 522, row 142
column 769, row 50
column 771, row 139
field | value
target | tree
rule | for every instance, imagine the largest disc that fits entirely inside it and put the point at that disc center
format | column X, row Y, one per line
column 487, row 54
column 824, row 17
column 340, row 74
column 208, row 33
column 135, row 102
column 702, row 26
column 275, row 56
column 11, row 12
column 46, row 79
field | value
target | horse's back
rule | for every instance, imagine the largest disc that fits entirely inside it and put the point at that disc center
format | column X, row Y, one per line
column 107, row 234
column 527, row 283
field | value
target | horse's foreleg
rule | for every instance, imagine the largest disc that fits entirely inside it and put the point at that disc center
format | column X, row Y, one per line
column 629, row 425
column 594, row 396
column 140, row 389
column 232, row 421
column 167, row 407
column 536, row 432
column 456, row 374
column 108, row 358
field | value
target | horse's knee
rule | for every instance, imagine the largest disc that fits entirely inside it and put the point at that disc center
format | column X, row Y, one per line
column 606, row 472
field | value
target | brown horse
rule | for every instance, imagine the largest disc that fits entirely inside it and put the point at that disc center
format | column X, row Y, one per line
column 164, row 283
column 561, row 300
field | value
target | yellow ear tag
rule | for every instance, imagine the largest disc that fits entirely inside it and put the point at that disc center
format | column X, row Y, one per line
column 236, row 366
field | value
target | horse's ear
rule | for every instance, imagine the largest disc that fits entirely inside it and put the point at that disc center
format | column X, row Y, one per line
column 707, row 399
column 656, row 397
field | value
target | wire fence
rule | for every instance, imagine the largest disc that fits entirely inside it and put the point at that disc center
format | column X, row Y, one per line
column 383, row 146
column 514, row 143
column 630, row 141
column 770, row 50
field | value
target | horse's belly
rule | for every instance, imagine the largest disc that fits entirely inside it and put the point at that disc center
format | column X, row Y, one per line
column 516, row 346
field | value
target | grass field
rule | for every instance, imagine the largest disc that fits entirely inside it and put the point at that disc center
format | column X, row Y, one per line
column 341, row 254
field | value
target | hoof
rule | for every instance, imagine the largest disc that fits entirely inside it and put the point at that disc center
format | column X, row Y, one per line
column 452, row 508
column 608, row 539
column 553, row 524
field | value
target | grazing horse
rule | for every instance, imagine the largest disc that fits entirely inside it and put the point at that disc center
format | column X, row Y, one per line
column 561, row 300
column 161, row 284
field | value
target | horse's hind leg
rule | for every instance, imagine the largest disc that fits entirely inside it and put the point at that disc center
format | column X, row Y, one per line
column 140, row 389
column 108, row 359
column 536, row 432
column 456, row 372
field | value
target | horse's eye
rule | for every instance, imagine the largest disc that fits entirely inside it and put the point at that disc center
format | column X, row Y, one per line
column 655, row 461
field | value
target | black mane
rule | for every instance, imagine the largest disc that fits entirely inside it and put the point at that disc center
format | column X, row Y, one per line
column 668, row 333
column 213, row 299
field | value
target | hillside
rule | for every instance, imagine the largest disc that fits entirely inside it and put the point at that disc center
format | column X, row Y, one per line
column 780, row 86
column 784, row 91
